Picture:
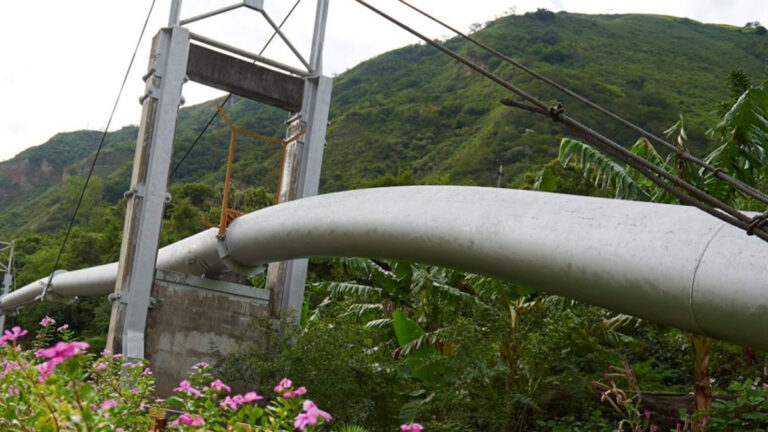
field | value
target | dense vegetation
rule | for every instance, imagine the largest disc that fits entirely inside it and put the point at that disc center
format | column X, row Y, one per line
column 413, row 109
column 387, row 343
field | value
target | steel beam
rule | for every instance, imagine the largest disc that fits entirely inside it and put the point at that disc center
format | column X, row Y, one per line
column 175, row 13
column 286, row 40
column 148, row 193
column 247, row 54
column 301, row 167
column 7, row 282
column 211, row 13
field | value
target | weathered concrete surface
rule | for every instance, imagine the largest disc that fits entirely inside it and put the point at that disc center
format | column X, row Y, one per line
column 245, row 79
column 190, row 317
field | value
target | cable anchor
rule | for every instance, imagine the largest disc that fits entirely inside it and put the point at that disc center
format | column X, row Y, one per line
column 757, row 222
column 555, row 110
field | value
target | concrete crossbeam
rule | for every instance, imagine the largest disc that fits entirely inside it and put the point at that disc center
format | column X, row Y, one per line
column 224, row 72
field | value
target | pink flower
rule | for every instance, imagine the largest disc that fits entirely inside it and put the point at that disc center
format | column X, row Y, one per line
column 8, row 366
column 251, row 397
column 189, row 420
column 63, row 350
column 99, row 366
column 57, row 354
column 219, row 386
column 237, row 400
column 47, row 321
column 303, row 420
column 309, row 417
column 412, row 427
column 45, row 370
column 147, row 372
column 64, row 327
column 12, row 334
column 201, row 365
column 108, row 403
column 230, row 402
column 298, row 392
column 185, row 387
column 284, row 385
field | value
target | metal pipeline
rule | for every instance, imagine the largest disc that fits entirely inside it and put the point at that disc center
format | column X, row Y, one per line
column 674, row 265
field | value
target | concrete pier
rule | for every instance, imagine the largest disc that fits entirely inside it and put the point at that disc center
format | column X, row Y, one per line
column 190, row 316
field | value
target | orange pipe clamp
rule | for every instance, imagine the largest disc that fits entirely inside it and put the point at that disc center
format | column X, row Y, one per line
column 228, row 214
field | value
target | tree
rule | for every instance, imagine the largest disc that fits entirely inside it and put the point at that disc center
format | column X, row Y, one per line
column 542, row 14
column 743, row 153
column 759, row 29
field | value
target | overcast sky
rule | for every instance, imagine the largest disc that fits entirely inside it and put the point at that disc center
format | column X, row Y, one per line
column 63, row 61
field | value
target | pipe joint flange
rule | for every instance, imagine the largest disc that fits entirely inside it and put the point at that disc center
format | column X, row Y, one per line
column 231, row 263
column 47, row 285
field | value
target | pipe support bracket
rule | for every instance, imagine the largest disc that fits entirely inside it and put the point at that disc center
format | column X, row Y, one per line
column 231, row 263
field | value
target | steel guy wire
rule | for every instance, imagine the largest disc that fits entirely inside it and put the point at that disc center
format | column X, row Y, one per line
column 98, row 149
column 695, row 196
column 719, row 173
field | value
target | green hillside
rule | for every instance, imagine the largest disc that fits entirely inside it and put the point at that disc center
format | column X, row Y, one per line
column 413, row 109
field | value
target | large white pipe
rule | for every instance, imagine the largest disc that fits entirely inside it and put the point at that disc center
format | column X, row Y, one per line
column 671, row 264
column 193, row 255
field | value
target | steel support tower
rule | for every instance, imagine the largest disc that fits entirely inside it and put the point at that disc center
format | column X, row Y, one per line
column 6, row 271
column 179, row 55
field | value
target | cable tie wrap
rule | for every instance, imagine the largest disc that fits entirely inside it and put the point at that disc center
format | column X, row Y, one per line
column 555, row 110
column 757, row 222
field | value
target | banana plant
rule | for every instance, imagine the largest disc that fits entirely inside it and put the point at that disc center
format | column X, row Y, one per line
column 743, row 153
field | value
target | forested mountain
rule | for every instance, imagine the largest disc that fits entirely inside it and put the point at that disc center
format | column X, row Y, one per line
column 413, row 109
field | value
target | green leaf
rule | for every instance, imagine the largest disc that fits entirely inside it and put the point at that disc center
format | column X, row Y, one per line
column 406, row 330
column 410, row 410
column 607, row 174
column 418, row 359
column 304, row 312
column 546, row 181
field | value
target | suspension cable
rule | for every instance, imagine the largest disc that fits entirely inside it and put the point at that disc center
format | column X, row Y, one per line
column 694, row 196
column 229, row 95
column 98, row 150
column 717, row 172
